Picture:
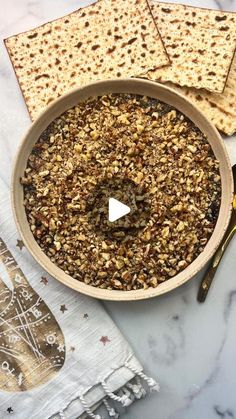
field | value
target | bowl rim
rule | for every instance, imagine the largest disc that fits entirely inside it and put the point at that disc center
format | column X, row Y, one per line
column 118, row 295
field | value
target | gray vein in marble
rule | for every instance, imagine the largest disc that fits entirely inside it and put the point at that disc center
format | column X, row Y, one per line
column 5, row 73
column 185, row 299
column 213, row 374
column 219, row 5
column 228, row 306
column 225, row 5
column 223, row 413
column 170, row 352
column 173, row 346
column 5, row 29
column 34, row 8
column 191, row 397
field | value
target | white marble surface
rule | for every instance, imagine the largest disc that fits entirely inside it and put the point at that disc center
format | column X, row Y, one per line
column 190, row 348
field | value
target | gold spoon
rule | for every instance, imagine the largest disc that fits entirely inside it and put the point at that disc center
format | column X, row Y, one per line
column 215, row 261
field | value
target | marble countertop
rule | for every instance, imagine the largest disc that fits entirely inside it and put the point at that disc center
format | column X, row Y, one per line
column 190, row 348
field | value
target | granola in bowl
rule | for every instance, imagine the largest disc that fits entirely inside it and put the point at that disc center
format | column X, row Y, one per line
column 142, row 152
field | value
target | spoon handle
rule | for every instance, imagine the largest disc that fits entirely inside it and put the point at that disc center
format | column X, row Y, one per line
column 215, row 261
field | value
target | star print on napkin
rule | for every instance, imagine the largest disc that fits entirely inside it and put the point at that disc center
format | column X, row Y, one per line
column 72, row 348
column 63, row 308
column 104, row 340
column 85, row 316
column 20, row 244
column 44, row 280
column 10, row 410
column 61, row 348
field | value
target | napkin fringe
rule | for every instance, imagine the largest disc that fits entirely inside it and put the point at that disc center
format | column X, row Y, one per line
column 152, row 384
column 126, row 395
column 87, row 409
column 137, row 388
column 111, row 410
column 125, row 400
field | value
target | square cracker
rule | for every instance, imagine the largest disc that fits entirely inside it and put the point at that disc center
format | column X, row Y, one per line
column 219, row 108
column 200, row 44
column 109, row 39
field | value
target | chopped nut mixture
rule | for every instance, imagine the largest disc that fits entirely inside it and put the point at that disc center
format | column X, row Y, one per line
column 142, row 152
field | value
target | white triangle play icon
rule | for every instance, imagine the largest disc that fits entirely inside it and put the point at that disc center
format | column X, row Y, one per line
column 116, row 210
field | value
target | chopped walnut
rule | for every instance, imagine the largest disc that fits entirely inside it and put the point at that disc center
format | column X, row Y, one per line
column 142, row 152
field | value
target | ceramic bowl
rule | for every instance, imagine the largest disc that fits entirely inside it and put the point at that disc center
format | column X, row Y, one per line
column 141, row 87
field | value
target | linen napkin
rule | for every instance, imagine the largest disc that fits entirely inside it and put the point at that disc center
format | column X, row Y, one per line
column 61, row 355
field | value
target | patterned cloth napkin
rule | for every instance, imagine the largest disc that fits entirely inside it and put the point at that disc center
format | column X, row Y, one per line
column 60, row 353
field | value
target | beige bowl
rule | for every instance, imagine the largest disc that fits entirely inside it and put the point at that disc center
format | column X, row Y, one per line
column 136, row 86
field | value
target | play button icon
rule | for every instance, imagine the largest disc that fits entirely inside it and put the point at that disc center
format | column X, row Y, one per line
column 116, row 210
